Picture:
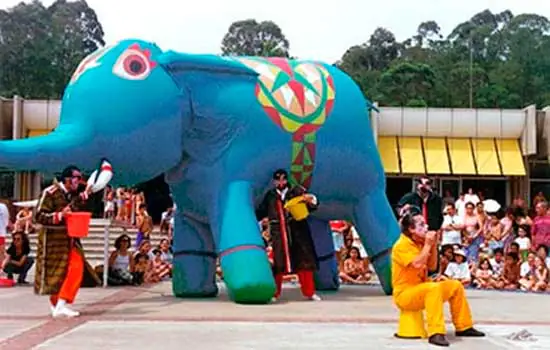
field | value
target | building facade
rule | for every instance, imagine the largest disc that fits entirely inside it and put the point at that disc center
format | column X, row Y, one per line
column 503, row 153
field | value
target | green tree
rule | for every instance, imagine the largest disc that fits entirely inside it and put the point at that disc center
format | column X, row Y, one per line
column 41, row 46
column 250, row 38
column 495, row 59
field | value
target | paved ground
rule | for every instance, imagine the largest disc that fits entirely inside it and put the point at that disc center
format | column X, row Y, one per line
column 354, row 318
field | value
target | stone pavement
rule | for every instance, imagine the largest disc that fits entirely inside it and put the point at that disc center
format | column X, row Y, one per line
column 357, row 317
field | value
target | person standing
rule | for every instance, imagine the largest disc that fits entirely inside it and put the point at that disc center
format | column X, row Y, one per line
column 429, row 203
column 61, row 267
column 144, row 223
column 293, row 249
column 541, row 226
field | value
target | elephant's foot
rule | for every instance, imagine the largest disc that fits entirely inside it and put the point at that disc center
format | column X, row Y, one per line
column 248, row 275
column 191, row 276
column 194, row 269
column 326, row 278
column 379, row 230
column 246, row 269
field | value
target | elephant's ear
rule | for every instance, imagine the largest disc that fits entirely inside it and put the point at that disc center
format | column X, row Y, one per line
column 178, row 65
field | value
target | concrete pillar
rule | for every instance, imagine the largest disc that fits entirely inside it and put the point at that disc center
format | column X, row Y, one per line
column 36, row 185
column 17, row 131
column 374, row 116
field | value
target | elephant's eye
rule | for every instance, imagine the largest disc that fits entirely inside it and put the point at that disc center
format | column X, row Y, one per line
column 134, row 63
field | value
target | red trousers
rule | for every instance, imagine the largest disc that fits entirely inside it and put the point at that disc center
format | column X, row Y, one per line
column 73, row 279
column 307, row 283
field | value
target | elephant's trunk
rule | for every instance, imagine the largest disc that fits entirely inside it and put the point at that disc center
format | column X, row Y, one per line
column 68, row 144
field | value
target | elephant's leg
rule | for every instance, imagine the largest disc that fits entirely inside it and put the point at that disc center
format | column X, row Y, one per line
column 194, row 272
column 378, row 229
column 326, row 278
column 246, row 269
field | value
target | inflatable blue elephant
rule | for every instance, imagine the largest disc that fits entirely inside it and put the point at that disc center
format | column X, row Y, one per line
column 218, row 127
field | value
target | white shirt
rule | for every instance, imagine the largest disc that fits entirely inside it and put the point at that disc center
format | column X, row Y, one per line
column 4, row 220
column 458, row 271
column 523, row 242
column 497, row 266
column 452, row 236
column 471, row 198
column 460, row 206
column 524, row 269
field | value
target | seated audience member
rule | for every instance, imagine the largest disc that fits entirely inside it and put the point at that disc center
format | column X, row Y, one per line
column 542, row 252
column 166, row 254
column 459, row 269
column 484, row 278
column 527, row 271
column 514, row 248
column 161, row 268
column 539, row 276
column 510, row 274
column 144, row 273
column 497, row 262
column 413, row 255
column 121, row 264
column 17, row 260
column 355, row 269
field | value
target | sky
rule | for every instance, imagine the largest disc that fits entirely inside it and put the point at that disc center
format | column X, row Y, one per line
column 316, row 29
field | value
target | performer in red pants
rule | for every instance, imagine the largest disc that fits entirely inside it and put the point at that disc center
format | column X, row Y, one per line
column 61, row 268
column 293, row 248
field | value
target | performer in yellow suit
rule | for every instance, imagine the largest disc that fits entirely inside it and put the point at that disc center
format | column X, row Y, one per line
column 413, row 255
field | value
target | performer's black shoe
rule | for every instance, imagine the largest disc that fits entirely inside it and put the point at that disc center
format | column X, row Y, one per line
column 470, row 332
column 439, row 340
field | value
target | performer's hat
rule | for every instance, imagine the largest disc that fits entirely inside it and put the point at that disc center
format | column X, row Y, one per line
column 279, row 173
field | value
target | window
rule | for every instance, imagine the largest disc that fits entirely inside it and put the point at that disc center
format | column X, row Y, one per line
column 397, row 187
column 539, row 170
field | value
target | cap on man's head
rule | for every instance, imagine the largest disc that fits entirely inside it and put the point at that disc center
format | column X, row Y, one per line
column 279, row 173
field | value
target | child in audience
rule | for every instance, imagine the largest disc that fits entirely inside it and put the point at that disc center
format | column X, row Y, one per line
column 540, row 276
column 511, row 273
column 523, row 241
column 484, row 278
column 459, row 269
column 497, row 262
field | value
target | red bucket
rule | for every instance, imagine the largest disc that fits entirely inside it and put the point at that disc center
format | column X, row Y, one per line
column 78, row 224
column 6, row 282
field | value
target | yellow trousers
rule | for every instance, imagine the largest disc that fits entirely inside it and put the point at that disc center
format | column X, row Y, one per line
column 430, row 296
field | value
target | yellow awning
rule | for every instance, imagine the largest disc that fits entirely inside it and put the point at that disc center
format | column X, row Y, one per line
column 38, row 132
column 412, row 160
column 435, row 152
column 486, row 158
column 462, row 161
column 387, row 147
column 510, row 157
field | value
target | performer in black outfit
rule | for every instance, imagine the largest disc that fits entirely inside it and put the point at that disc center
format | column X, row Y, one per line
column 293, row 249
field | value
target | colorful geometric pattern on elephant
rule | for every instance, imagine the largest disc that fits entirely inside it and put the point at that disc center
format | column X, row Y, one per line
column 298, row 96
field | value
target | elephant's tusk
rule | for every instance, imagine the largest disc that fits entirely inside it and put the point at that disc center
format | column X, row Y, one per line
column 104, row 177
